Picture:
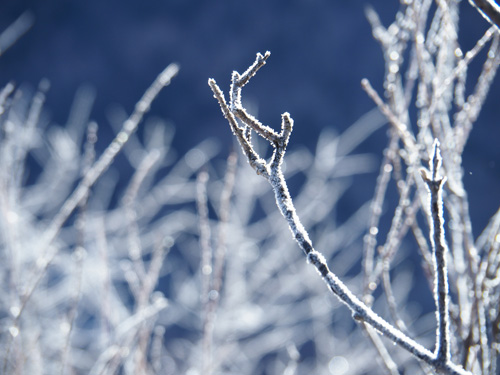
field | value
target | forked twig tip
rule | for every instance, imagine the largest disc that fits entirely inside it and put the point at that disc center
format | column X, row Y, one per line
column 436, row 160
column 266, row 55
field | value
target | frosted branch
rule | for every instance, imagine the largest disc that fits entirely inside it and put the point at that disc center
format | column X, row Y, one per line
column 435, row 185
column 488, row 9
column 272, row 172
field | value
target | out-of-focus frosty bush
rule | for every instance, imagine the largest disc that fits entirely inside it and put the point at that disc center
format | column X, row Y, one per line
column 94, row 299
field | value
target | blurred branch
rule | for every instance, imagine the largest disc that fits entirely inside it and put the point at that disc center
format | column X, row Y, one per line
column 16, row 30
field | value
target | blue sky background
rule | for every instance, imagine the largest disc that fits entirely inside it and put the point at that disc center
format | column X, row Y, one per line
column 320, row 52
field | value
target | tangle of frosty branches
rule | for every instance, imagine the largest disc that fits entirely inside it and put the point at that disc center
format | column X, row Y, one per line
column 272, row 172
column 82, row 190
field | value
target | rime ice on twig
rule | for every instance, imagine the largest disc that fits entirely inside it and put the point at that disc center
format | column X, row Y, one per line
column 435, row 184
column 272, row 172
column 489, row 10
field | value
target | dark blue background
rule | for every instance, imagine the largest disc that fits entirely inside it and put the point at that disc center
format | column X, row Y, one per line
column 320, row 51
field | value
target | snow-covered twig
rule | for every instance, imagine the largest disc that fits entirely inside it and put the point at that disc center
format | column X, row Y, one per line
column 272, row 172
column 488, row 9
column 441, row 289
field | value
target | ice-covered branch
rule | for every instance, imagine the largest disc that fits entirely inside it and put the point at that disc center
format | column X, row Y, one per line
column 272, row 172
column 489, row 10
column 441, row 289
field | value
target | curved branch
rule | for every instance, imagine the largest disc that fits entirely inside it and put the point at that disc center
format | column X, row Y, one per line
column 274, row 174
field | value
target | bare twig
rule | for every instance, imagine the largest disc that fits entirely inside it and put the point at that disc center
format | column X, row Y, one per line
column 272, row 172
column 489, row 10
column 435, row 184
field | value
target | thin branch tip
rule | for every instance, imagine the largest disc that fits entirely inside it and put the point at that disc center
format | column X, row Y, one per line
column 235, row 76
column 435, row 162
column 436, row 156
column 366, row 85
column 286, row 126
column 168, row 73
column 265, row 56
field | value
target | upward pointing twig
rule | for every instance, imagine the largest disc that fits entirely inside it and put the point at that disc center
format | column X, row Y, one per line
column 435, row 185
